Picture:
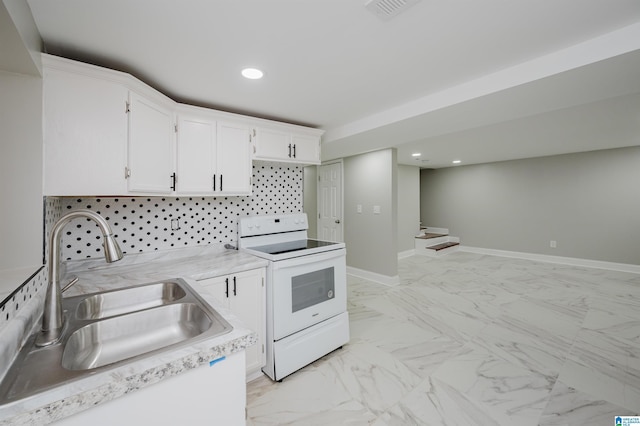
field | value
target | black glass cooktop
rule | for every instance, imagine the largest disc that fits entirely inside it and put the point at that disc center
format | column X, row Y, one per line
column 291, row 246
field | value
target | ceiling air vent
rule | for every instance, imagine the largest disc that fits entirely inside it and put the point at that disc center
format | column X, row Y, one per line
column 387, row 9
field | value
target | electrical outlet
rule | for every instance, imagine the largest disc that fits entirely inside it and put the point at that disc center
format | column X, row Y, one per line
column 359, row 208
column 175, row 225
column 376, row 209
column 553, row 244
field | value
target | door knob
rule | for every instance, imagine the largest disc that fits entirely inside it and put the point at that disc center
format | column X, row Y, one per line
column 337, row 220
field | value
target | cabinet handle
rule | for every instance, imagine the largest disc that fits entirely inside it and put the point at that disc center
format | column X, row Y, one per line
column 173, row 182
column 289, row 150
column 294, row 151
column 214, row 182
column 234, row 287
column 221, row 182
column 226, row 292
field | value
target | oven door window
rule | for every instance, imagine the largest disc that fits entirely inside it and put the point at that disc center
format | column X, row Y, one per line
column 312, row 288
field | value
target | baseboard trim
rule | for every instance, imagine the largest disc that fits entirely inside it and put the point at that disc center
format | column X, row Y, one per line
column 253, row 376
column 406, row 253
column 372, row 276
column 572, row 261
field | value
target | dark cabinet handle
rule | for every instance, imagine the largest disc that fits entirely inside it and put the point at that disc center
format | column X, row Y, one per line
column 289, row 150
column 221, row 182
column 234, row 287
column 214, row 182
column 294, row 151
column 226, row 293
column 173, row 182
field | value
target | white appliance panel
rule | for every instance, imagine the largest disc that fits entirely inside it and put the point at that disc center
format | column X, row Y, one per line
column 296, row 351
column 286, row 319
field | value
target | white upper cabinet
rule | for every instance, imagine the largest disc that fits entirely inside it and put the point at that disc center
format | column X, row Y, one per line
column 85, row 132
column 286, row 145
column 272, row 145
column 234, row 158
column 212, row 156
column 151, row 146
column 107, row 133
column 195, row 154
column 306, row 149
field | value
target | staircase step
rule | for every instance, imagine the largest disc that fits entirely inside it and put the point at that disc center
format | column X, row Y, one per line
column 443, row 246
column 436, row 246
column 427, row 236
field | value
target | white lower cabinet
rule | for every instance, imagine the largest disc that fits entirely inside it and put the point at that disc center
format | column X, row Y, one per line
column 208, row 395
column 244, row 294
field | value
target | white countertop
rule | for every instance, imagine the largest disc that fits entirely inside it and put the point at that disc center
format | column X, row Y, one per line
column 191, row 264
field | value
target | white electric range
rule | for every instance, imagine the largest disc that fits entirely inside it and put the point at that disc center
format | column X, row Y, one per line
column 306, row 290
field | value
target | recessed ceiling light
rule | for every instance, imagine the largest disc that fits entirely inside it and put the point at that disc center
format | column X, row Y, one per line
column 252, row 73
column 456, row 161
column 416, row 154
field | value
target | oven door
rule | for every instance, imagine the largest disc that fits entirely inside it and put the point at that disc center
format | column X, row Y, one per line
column 307, row 290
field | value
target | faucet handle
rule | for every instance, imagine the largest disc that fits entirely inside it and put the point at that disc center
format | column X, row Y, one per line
column 69, row 284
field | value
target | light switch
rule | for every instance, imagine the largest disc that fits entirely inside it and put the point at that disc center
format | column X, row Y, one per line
column 376, row 209
column 359, row 208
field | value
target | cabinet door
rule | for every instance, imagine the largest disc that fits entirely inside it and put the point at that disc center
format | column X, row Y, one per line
column 246, row 298
column 306, row 149
column 85, row 135
column 151, row 147
column 234, row 159
column 247, row 301
column 273, row 145
column 195, row 155
column 218, row 288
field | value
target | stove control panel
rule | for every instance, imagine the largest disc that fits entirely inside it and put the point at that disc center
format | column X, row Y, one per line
column 272, row 224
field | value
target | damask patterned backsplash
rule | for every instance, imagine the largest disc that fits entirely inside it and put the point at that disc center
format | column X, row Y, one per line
column 143, row 224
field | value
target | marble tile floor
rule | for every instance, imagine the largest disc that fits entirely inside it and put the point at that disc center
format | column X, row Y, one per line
column 469, row 339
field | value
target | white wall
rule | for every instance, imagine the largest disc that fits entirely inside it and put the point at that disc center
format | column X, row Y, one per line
column 589, row 203
column 21, row 225
column 408, row 206
column 371, row 239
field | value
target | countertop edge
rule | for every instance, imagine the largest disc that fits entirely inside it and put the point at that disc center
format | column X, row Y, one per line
column 78, row 402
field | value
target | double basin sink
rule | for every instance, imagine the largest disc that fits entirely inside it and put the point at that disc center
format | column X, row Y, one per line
column 108, row 329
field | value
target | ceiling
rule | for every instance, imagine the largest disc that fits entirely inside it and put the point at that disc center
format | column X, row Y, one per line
column 478, row 81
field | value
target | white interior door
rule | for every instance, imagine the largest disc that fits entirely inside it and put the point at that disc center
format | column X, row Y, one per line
column 330, row 226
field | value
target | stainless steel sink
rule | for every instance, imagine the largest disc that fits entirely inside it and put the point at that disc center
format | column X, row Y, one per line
column 111, row 329
column 118, row 302
column 114, row 339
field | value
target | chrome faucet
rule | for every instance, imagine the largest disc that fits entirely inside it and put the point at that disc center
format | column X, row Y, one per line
column 52, row 318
